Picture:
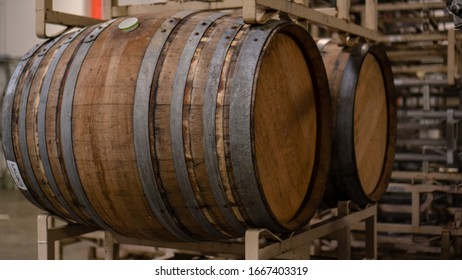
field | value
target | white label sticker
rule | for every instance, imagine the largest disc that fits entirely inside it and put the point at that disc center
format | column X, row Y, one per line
column 14, row 171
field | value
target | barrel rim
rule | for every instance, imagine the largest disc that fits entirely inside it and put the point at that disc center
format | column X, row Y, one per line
column 318, row 180
column 241, row 129
column 349, row 172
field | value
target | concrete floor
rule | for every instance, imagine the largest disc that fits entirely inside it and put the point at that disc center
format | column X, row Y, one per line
column 18, row 230
column 18, row 227
column 18, row 234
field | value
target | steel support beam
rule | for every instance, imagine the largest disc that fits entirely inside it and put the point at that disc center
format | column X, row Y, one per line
column 44, row 14
column 314, row 17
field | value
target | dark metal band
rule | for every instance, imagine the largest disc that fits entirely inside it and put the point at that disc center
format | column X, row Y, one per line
column 23, row 146
column 240, row 126
column 7, row 115
column 385, row 66
column 176, row 125
column 348, row 174
column 141, row 120
column 66, row 124
column 209, row 111
column 348, row 171
column 41, row 125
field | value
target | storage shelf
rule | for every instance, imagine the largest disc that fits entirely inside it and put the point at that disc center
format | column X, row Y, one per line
column 295, row 246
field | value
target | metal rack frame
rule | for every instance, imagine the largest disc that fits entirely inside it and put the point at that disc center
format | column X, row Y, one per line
column 296, row 246
column 257, row 11
column 446, row 150
column 420, row 183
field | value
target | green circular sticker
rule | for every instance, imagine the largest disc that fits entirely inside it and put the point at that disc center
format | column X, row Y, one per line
column 129, row 24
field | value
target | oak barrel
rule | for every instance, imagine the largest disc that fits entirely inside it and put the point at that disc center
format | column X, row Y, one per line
column 363, row 122
column 174, row 126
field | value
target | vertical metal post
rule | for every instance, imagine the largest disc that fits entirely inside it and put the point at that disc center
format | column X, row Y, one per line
column 57, row 244
column 111, row 247
column 252, row 245
column 445, row 244
column 415, row 204
column 41, row 8
column 3, row 27
column 249, row 11
column 451, row 137
column 426, row 107
column 344, row 235
column 343, row 10
column 46, row 248
column 451, row 56
column 426, row 97
column 460, row 98
column 314, row 31
column 371, row 235
column 305, row 23
column 49, row 237
column 107, row 9
column 371, row 15
column 457, row 246
column 458, row 219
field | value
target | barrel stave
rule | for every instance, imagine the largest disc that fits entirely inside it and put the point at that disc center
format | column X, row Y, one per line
column 103, row 130
column 52, row 127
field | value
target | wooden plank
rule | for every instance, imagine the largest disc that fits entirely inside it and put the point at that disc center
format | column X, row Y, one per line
column 52, row 127
column 31, row 128
column 103, row 130
column 194, row 119
column 162, row 129
column 222, row 127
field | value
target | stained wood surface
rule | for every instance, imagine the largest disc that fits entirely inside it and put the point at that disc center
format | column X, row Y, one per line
column 222, row 127
column 194, row 130
column 370, row 124
column 31, row 128
column 290, row 129
column 285, row 127
column 102, row 121
column 26, row 74
column 162, row 134
column 52, row 131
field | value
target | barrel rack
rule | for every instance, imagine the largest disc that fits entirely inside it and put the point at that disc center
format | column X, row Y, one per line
column 257, row 243
column 422, row 188
column 257, row 11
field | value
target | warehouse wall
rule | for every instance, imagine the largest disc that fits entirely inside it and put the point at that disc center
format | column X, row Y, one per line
column 17, row 23
column 17, row 35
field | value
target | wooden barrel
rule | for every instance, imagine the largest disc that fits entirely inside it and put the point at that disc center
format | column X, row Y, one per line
column 363, row 122
column 174, row 126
